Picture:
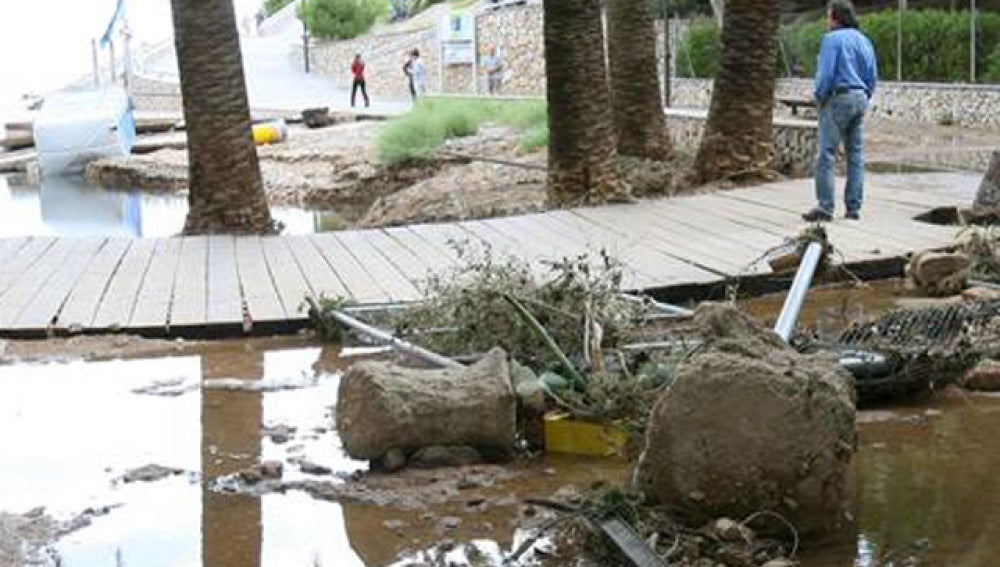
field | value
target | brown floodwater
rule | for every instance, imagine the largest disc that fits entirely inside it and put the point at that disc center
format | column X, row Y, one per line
column 69, row 431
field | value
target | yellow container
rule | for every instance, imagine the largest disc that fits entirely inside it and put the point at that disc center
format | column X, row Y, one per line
column 268, row 133
column 564, row 434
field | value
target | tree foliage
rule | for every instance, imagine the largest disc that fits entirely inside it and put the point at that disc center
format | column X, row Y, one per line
column 272, row 6
column 342, row 19
column 935, row 45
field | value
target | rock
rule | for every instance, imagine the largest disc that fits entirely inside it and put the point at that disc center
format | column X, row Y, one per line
column 938, row 273
column 981, row 294
column 781, row 563
column 441, row 457
column 271, row 469
column 383, row 406
column 309, row 467
column 449, row 523
column 731, row 531
column 748, row 423
column 149, row 473
column 280, row 433
column 393, row 460
column 985, row 377
column 394, row 525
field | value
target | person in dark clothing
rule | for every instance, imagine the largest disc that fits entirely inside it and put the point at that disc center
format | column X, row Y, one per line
column 358, row 71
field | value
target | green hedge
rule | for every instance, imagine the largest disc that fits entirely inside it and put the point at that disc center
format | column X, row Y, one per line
column 272, row 6
column 342, row 19
column 935, row 46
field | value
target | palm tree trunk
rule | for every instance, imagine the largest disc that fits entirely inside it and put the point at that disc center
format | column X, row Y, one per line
column 635, row 84
column 226, row 194
column 738, row 138
column 988, row 195
column 582, row 154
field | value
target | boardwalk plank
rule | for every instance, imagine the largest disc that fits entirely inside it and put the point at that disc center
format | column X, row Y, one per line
column 43, row 309
column 79, row 309
column 225, row 300
column 291, row 287
column 322, row 279
column 360, row 284
column 152, row 308
column 707, row 253
column 190, row 300
column 422, row 248
column 27, row 287
column 115, row 310
column 262, row 301
column 414, row 267
column 392, row 281
column 18, row 263
column 10, row 246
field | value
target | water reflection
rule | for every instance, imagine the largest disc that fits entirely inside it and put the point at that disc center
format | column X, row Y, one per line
column 68, row 432
column 68, row 206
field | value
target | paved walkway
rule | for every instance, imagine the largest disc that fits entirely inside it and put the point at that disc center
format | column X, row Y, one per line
column 174, row 285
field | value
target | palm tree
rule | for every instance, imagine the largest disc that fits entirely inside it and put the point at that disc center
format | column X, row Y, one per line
column 988, row 195
column 738, row 138
column 225, row 189
column 582, row 154
column 635, row 86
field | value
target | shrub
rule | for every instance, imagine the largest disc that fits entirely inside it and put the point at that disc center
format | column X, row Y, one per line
column 992, row 72
column 698, row 51
column 935, row 45
column 432, row 121
column 342, row 19
column 272, row 6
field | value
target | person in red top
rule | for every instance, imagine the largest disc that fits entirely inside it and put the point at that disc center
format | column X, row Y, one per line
column 358, row 70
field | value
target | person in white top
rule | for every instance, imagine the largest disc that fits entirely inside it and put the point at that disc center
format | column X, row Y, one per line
column 414, row 69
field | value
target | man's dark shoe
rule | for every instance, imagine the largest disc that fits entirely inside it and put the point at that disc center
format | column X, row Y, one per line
column 852, row 215
column 817, row 215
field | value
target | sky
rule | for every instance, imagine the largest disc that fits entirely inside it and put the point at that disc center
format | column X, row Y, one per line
column 45, row 44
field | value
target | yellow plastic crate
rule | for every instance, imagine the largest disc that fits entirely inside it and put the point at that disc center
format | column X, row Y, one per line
column 564, row 434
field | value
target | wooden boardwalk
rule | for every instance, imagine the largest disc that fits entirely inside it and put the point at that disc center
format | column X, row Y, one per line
column 174, row 285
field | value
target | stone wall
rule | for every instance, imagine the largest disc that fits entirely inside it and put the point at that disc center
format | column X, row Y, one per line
column 518, row 34
column 151, row 95
column 795, row 141
column 384, row 56
column 922, row 103
column 517, row 31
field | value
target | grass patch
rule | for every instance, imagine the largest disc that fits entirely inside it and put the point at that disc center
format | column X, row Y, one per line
column 432, row 121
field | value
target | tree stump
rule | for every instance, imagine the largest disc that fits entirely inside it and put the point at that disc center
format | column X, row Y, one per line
column 383, row 406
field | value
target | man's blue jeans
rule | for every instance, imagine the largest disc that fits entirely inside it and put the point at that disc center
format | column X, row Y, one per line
column 840, row 121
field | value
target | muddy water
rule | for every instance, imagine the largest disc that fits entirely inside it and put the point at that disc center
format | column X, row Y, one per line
column 69, row 432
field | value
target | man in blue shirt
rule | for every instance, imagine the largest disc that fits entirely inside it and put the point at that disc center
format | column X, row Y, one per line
column 845, row 82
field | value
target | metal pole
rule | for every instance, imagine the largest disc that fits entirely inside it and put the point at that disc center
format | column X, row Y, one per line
column 899, row 39
column 972, row 41
column 111, row 55
column 666, row 53
column 797, row 295
column 305, row 37
column 127, row 64
column 398, row 344
column 97, row 66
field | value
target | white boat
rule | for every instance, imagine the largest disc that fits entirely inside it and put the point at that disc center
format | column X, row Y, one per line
column 74, row 128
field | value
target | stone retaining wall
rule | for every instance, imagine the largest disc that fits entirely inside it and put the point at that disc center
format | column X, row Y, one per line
column 151, row 95
column 384, row 56
column 923, row 103
column 795, row 141
column 518, row 33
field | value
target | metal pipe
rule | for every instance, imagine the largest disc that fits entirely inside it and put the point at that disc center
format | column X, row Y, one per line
column 800, row 286
column 398, row 344
column 659, row 306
